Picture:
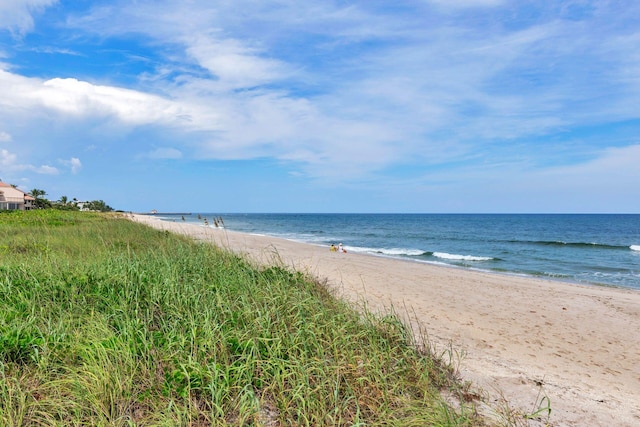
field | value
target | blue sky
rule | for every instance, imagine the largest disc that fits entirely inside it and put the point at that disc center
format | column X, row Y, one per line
column 328, row 106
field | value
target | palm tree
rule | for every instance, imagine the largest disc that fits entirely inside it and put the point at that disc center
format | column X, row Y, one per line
column 40, row 202
column 99, row 205
column 36, row 193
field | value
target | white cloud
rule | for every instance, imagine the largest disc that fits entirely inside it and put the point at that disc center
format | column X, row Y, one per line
column 607, row 182
column 7, row 159
column 344, row 91
column 233, row 63
column 45, row 170
column 16, row 15
column 74, row 164
column 56, row 50
column 5, row 137
column 460, row 4
column 9, row 163
column 82, row 98
column 165, row 153
column 613, row 167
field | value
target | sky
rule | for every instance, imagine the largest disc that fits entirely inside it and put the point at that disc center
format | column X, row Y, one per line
column 433, row 106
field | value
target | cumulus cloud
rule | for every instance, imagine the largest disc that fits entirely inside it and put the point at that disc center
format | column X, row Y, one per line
column 82, row 98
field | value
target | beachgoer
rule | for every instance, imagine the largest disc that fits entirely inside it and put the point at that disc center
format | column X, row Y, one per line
column 333, row 248
column 340, row 248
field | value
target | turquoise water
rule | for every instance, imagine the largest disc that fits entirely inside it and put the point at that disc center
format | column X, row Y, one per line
column 593, row 249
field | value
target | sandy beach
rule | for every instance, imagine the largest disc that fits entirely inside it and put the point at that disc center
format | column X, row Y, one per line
column 519, row 338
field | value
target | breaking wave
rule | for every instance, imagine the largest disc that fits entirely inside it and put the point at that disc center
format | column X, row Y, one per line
column 417, row 253
column 455, row 257
column 394, row 252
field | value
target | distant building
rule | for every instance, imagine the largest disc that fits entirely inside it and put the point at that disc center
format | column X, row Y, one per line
column 13, row 199
column 83, row 206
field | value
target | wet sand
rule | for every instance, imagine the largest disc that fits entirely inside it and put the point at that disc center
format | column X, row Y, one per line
column 519, row 338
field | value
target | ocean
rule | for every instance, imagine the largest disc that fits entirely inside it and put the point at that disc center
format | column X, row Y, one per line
column 598, row 249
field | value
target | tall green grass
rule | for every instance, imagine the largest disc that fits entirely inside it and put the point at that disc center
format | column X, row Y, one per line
column 105, row 322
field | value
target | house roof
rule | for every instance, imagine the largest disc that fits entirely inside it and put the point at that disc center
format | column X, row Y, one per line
column 27, row 196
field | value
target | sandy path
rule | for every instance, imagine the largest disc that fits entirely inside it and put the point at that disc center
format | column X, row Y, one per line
column 580, row 345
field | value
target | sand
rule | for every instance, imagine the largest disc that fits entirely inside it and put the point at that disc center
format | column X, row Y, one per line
column 519, row 339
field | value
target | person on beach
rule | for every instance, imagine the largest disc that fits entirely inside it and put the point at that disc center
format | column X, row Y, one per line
column 333, row 248
column 341, row 249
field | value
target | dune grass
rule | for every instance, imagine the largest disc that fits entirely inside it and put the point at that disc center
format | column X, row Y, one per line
column 106, row 322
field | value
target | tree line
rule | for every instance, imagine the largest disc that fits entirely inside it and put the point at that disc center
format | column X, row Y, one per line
column 41, row 202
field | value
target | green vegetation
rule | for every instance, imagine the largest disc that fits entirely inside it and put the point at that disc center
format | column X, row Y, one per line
column 65, row 204
column 106, row 322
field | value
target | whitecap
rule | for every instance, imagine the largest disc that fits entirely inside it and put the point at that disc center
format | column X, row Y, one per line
column 456, row 257
column 635, row 247
column 399, row 251
column 394, row 252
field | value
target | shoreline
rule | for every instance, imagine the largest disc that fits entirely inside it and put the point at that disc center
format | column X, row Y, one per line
column 522, row 338
column 443, row 264
column 545, row 246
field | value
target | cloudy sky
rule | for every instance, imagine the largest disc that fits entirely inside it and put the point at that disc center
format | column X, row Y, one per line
column 324, row 106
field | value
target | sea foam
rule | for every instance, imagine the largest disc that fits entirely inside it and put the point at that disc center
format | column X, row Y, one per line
column 455, row 257
column 635, row 247
column 387, row 251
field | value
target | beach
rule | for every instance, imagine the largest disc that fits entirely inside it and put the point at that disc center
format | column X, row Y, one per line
column 517, row 339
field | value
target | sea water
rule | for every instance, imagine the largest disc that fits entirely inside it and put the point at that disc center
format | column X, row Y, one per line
column 584, row 248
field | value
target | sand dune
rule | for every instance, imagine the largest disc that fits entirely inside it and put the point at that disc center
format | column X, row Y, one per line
column 521, row 338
